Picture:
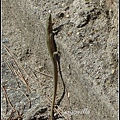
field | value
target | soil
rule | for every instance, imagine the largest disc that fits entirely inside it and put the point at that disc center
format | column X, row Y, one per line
column 87, row 39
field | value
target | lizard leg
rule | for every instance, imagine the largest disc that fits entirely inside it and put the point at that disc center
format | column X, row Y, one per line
column 56, row 55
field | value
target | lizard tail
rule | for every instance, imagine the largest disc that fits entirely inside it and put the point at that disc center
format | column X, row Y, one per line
column 55, row 90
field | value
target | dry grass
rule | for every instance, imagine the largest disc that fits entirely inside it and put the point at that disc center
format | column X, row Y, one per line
column 19, row 73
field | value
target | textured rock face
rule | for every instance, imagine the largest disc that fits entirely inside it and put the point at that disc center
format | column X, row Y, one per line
column 88, row 42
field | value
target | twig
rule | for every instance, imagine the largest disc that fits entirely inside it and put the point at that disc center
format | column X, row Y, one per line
column 21, row 76
column 23, row 94
column 41, row 73
column 9, row 100
column 59, row 111
column 10, row 67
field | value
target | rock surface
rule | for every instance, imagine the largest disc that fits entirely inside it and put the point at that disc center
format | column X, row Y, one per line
column 88, row 42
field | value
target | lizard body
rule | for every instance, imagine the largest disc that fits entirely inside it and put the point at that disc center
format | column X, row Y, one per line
column 52, row 50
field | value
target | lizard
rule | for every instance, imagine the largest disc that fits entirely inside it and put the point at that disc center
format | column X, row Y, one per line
column 52, row 48
column 54, row 54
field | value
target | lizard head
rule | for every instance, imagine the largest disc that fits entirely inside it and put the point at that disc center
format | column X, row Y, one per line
column 49, row 23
